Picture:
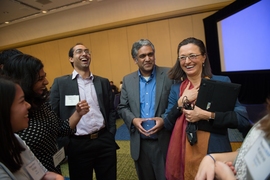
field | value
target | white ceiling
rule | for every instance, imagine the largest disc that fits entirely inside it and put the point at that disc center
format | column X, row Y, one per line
column 14, row 11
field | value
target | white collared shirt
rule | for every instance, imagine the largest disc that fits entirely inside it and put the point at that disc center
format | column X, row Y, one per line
column 93, row 120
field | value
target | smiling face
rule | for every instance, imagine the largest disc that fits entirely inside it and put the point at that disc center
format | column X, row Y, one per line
column 191, row 67
column 145, row 60
column 42, row 82
column 19, row 111
column 81, row 58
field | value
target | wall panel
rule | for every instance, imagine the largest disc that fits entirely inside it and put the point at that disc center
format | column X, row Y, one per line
column 63, row 47
column 159, row 35
column 100, row 63
column 119, row 54
column 38, row 51
column 26, row 50
column 85, row 39
column 52, row 65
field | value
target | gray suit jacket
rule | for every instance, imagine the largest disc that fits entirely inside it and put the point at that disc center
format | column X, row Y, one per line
column 65, row 85
column 129, row 107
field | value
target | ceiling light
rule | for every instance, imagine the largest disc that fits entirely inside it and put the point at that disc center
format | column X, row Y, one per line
column 44, row 12
column 7, row 22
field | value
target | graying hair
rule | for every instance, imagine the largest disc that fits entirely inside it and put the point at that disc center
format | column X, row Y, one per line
column 138, row 44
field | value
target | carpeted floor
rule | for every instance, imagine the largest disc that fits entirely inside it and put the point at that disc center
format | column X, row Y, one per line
column 122, row 133
column 235, row 135
column 125, row 165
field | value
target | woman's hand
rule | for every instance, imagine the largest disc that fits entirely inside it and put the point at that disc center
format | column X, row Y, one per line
column 82, row 107
column 191, row 94
column 52, row 176
column 194, row 115
column 223, row 171
column 206, row 169
column 230, row 164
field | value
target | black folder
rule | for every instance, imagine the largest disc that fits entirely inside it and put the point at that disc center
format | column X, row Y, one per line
column 217, row 96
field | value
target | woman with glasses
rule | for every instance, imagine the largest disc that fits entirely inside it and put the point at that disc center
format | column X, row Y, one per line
column 186, row 150
column 44, row 125
column 16, row 159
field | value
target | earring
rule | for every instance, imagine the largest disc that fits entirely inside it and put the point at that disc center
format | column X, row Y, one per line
column 203, row 64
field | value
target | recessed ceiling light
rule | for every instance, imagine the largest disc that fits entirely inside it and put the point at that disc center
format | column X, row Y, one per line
column 44, row 12
column 7, row 22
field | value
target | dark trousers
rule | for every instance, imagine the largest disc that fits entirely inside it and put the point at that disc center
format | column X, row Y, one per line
column 151, row 163
column 86, row 154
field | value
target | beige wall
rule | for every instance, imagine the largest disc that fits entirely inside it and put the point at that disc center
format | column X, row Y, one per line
column 111, row 48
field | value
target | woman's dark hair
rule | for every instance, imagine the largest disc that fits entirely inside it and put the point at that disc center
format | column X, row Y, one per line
column 177, row 73
column 6, row 55
column 10, row 147
column 25, row 69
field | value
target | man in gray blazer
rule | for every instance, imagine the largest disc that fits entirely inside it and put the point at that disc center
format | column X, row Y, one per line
column 93, row 145
column 144, row 98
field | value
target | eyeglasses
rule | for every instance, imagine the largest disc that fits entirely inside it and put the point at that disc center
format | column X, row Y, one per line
column 142, row 56
column 81, row 51
column 190, row 57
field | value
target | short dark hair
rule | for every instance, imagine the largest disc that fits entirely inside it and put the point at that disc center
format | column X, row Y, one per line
column 177, row 73
column 71, row 52
column 11, row 147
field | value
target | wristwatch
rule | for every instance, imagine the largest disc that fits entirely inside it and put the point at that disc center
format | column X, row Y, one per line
column 212, row 116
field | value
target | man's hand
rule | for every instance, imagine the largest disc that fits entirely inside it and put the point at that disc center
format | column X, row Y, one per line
column 137, row 122
column 159, row 125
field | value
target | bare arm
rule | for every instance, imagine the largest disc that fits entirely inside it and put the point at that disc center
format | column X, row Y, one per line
column 207, row 166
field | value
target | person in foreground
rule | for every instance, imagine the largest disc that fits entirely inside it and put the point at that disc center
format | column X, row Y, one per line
column 44, row 124
column 251, row 161
column 16, row 159
column 93, row 146
column 208, row 129
column 143, row 99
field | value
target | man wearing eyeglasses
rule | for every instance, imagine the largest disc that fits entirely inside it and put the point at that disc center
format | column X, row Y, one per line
column 143, row 100
column 93, row 146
